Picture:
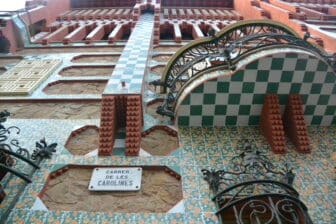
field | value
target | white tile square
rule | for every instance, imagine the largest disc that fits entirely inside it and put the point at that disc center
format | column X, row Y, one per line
column 242, row 120
column 208, row 110
column 289, row 64
column 196, row 98
column 246, row 98
column 312, row 99
column 236, row 87
column 250, row 75
column 210, row 87
column 284, row 88
column 219, row 120
column 222, row 98
column 195, row 121
column 260, row 87
column 232, row 110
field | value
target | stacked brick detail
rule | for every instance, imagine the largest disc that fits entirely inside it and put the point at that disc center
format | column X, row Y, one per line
column 165, row 128
column 133, row 126
column 271, row 123
column 107, row 125
column 157, row 10
column 294, row 123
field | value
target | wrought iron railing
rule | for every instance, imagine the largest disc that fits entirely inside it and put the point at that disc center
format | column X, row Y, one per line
column 223, row 51
column 255, row 191
column 12, row 158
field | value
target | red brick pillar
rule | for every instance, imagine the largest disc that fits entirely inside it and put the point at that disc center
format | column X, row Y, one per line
column 133, row 126
column 294, row 123
column 271, row 123
column 107, row 125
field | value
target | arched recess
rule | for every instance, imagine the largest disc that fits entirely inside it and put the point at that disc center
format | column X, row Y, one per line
column 223, row 97
column 204, row 27
column 186, row 31
column 167, row 31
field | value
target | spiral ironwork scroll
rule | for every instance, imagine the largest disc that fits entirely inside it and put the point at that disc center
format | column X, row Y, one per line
column 255, row 191
column 11, row 151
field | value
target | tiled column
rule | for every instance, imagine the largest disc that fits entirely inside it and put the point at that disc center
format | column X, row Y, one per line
column 127, row 78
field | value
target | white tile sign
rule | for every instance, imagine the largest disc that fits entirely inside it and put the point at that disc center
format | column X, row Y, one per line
column 116, row 179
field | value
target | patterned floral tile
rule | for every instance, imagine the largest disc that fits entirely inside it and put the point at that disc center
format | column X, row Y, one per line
column 314, row 177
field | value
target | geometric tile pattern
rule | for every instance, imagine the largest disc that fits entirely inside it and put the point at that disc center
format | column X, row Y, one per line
column 133, row 61
column 201, row 148
column 237, row 99
column 23, row 78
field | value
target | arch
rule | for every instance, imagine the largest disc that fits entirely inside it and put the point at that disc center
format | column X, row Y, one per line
column 282, row 71
column 224, row 51
column 209, row 45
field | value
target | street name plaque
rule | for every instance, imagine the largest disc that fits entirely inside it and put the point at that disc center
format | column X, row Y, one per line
column 116, row 179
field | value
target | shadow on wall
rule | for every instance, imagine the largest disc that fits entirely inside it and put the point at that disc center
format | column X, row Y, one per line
column 4, row 44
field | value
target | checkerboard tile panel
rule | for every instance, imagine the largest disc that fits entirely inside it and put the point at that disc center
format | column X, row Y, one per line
column 237, row 99
column 133, row 61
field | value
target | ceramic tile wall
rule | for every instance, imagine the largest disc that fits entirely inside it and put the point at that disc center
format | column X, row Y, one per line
column 133, row 61
column 237, row 99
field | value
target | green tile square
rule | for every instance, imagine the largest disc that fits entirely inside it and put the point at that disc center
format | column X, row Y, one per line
column 308, row 76
column 323, row 100
column 309, row 110
column 196, row 110
column 282, row 99
column 238, row 76
column 295, row 88
column 199, row 89
column 207, row 120
column 248, row 87
column 286, row 76
column 186, row 100
column 262, row 76
column 291, row 55
column 252, row 65
column 322, row 67
column 253, row 120
column 334, row 90
column 304, row 98
column 316, row 88
column 244, row 109
column 316, row 120
column 209, row 98
column 223, row 87
column 330, row 110
column 272, row 87
column 220, row 109
column 334, row 121
column 258, row 99
column 183, row 120
column 301, row 64
column 330, row 77
column 231, row 120
column 234, row 98
column 277, row 63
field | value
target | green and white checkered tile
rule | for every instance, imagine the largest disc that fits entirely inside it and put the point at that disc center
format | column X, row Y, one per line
column 133, row 61
column 237, row 99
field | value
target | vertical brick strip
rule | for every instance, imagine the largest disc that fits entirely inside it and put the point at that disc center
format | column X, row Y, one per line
column 107, row 125
column 294, row 123
column 133, row 126
column 271, row 123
